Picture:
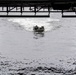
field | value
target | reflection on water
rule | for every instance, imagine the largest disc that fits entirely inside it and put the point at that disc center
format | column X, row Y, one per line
column 38, row 35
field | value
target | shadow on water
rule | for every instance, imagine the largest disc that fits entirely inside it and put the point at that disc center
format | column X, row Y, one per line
column 38, row 35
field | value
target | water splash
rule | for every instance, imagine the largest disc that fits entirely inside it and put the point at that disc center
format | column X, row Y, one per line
column 28, row 23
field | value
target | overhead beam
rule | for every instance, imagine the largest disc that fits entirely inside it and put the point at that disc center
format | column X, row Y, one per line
column 25, row 16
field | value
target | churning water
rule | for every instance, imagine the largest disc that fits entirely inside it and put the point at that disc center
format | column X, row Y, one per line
column 28, row 23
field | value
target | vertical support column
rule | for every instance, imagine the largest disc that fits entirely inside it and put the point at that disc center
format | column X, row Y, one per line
column 2, row 8
column 49, row 10
column 7, row 10
column 21, row 9
column 62, row 13
column 30, row 8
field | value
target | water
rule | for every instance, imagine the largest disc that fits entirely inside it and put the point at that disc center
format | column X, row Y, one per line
column 55, row 48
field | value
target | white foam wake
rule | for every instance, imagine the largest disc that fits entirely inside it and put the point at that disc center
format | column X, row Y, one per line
column 28, row 23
